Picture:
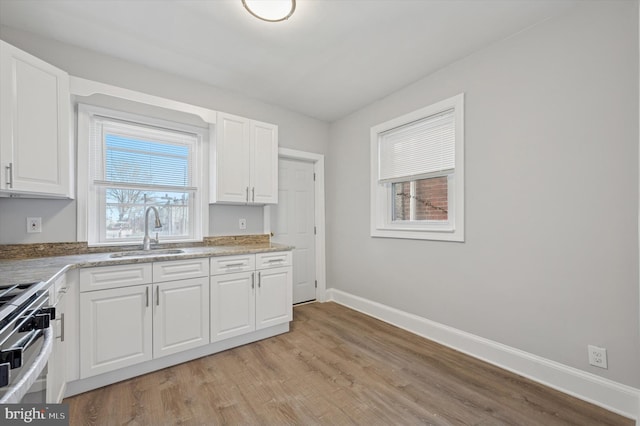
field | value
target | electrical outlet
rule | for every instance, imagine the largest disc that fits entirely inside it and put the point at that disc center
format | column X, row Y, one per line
column 597, row 356
column 243, row 223
column 34, row 225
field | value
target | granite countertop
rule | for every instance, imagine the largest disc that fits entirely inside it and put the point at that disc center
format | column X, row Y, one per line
column 50, row 268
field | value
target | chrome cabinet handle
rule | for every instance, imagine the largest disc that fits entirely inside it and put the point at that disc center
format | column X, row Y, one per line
column 62, row 327
column 253, row 279
column 232, row 265
column 253, row 194
column 147, row 292
column 9, row 170
column 259, row 279
column 247, row 194
column 157, row 296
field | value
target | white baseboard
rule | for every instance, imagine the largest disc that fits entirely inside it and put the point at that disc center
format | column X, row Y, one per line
column 613, row 396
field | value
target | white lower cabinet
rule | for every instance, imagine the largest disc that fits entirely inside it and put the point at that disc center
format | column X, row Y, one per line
column 133, row 313
column 115, row 329
column 180, row 316
column 232, row 305
column 243, row 302
column 127, row 325
column 57, row 367
column 274, row 297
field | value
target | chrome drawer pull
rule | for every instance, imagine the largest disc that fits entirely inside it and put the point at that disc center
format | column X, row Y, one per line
column 62, row 327
column 9, row 169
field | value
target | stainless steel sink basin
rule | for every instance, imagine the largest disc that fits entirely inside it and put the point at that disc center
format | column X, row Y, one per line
column 138, row 253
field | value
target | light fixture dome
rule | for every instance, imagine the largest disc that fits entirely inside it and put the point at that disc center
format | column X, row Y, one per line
column 270, row 10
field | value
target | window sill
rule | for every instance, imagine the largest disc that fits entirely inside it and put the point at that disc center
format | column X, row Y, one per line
column 455, row 236
column 162, row 243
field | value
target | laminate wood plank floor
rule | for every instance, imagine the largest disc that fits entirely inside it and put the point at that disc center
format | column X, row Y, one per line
column 336, row 367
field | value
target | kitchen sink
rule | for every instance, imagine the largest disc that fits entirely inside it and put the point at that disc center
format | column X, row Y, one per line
column 138, row 253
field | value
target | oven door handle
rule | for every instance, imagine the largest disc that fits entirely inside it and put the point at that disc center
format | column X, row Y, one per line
column 13, row 355
column 18, row 390
column 27, row 340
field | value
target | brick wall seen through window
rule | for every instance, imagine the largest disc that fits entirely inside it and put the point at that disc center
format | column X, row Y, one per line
column 423, row 199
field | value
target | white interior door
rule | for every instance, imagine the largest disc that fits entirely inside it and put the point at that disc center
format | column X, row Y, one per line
column 293, row 222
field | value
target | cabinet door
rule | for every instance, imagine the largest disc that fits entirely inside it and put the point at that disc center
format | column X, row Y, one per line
column 230, row 160
column 181, row 315
column 56, row 372
column 264, row 163
column 35, row 152
column 273, row 297
column 232, row 305
column 115, row 329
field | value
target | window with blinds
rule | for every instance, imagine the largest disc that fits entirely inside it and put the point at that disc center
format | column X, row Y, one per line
column 419, row 149
column 416, row 170
column 135, row 165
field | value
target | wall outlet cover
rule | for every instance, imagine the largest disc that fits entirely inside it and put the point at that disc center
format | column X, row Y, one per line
column 34, row 225
column 597, row 356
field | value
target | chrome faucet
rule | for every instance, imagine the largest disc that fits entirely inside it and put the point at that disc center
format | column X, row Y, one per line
column 146, row 242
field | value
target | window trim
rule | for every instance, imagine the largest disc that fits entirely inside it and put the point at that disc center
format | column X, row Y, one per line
column 87, row 228
column 381, row 224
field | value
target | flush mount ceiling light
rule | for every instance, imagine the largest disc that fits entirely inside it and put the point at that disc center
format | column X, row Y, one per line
column 270, row 10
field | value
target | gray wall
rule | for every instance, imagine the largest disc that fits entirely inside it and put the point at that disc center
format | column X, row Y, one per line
column 550, row 261
column 295, row 130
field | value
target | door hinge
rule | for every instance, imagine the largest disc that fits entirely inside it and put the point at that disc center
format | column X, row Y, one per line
column 316, row 283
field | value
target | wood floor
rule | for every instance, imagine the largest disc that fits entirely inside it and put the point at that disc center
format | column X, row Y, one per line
column 335, row 367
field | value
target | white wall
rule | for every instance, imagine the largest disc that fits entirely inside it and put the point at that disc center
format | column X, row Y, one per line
column 295, row 131
column 550, row 261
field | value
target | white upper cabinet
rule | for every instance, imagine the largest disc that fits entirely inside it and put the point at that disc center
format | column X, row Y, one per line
column 35, row 148
column 264, row 163
column 244, row 161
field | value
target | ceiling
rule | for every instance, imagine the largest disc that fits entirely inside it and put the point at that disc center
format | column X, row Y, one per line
column 329, row 59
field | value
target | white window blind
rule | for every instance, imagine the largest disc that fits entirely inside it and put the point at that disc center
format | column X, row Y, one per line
column 418, row 150
column 125, row 155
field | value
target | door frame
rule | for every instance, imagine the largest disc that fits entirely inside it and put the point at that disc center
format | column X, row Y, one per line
column 318, row 168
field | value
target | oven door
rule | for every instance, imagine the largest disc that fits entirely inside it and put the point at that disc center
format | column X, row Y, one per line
column 28, row 382
column 26, row 342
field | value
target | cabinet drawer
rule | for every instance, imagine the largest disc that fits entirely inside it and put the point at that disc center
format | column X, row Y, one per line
column 229, row 264
column 273, row 259
column 180, row 269
column 103, row 277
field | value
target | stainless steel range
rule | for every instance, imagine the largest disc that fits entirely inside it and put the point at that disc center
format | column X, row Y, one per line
column 26, row 341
